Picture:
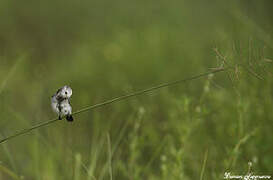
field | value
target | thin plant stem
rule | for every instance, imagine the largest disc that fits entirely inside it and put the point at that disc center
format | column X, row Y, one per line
column 117, row 99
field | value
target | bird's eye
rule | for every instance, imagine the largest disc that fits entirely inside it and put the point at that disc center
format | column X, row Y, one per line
column 65, row 92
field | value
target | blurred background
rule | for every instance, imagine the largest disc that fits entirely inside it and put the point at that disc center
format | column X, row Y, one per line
column 103, row 49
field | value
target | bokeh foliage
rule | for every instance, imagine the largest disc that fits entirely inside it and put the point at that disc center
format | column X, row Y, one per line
column 104, row 49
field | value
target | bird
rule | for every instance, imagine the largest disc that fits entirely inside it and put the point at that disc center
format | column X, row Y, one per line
column 60, row 103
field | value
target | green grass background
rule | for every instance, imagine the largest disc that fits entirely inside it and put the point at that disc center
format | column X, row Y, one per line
column 103, row 49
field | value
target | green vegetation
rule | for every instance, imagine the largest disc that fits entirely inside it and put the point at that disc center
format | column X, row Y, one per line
column 103, row 49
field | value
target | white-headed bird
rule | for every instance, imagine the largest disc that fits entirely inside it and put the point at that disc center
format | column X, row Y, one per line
column 60, row 103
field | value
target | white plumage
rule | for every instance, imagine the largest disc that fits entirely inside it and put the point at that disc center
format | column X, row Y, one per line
column 60, row 103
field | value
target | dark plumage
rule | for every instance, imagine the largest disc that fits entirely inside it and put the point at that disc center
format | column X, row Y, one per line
column 69, row 118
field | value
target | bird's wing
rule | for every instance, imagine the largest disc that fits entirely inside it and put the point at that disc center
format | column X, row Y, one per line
column 59, row 107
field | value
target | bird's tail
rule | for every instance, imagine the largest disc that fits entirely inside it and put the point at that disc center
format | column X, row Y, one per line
column 69, row 118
